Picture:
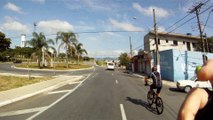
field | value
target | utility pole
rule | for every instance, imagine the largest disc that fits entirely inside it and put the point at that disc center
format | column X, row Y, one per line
column 196, row 9
column 156, row 42
column 130, row 43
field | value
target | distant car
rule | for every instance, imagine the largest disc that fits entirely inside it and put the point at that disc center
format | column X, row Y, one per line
column 17, row 61
column 110, row 66
column 187, row 85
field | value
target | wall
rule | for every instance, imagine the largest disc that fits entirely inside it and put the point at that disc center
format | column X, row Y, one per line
column 166, row 65
column 180, row 65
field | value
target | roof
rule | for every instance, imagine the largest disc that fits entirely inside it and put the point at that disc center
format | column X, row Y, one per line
column 174, row 35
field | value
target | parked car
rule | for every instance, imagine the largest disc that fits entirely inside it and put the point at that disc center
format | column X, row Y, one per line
column 187, row 85
column 17, row 61
column 110, row 66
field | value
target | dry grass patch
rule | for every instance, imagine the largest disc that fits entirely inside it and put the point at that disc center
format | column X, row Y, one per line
column 10, row 82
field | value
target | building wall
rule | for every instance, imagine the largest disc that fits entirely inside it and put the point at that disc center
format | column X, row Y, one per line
column 166, row 42
column 180, row 65
column 166, row 65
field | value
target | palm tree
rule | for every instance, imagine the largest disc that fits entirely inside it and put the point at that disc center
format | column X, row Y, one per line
column 67, row 38
column 79, row 50
column 40, row 44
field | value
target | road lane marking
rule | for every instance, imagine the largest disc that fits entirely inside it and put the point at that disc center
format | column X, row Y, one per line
column 123, row 114
column 112, row 74
column 56, row 92
column 74, row 82
column 116, row 81
column 20, row 112
column 57, row 101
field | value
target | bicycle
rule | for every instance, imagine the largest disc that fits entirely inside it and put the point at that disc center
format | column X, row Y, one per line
column 152, row 98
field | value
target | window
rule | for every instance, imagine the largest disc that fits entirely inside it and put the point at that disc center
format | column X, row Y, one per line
column 167, row 41
column 194, row 45
column 175, row 42
column 188, row 46
column 184, row 42
column 158, row 41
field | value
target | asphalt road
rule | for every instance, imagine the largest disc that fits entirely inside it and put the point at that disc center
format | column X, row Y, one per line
column 102, row 95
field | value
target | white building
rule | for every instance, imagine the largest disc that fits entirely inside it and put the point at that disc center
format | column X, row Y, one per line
column 170, row 41
column 145, row 59
column 23, row 40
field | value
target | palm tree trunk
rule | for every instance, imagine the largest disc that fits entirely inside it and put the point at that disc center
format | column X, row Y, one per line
column 67, row 57
column 39, row 65
column 78, row 58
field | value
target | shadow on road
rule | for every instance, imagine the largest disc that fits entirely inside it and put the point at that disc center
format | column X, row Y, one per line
column 176, row 90
column 142, row 103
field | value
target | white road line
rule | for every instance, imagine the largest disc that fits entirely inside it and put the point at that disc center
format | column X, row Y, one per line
column 116, row 81
column 123, row 114
column 56, row 92
column 19, row 112
column 112, row 74
column 74, row 82
column 57, row 101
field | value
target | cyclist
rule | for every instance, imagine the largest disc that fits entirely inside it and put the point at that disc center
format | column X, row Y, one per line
column 156, row 80
column 198, row 104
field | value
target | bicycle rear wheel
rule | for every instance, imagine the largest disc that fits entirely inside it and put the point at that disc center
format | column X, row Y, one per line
column 159, row 105
column 150, row 98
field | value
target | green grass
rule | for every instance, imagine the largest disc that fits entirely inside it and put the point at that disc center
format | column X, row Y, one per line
column 101, row 63
column 58, row 66
column 10, row 82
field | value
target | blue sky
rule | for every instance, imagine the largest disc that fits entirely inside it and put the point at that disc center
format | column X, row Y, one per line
column 85, row 16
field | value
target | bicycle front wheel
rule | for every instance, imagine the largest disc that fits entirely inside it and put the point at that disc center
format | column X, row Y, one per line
column 150, row 98
column 159, row 105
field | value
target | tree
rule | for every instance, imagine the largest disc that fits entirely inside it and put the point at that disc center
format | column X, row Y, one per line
column 124, row 59
column 67, row 39
column 210, row 44
column 4, row 42
column 198, row 46
column 79, row 50
column 40, row 44
column 26, row 52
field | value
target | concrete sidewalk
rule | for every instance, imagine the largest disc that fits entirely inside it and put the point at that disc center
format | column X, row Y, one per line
column 13, row 95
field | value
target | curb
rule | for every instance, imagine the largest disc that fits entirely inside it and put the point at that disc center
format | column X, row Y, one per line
column 27, row 95
column 33, row 69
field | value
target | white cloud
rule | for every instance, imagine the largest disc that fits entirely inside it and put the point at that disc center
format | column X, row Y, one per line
column 13, row 7
column 83, row 26
column 159, row 12
column 39, row 1
column 14, row 26
column 94, row 5
column 54, row 26
column 124, row 26
column 161, row 29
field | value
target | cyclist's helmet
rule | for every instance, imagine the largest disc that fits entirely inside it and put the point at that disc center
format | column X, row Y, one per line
column 154, row 68
column 197, row 69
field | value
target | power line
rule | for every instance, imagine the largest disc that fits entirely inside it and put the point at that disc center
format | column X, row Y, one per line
column 207, row 20
column 189, row 20
column 92, row 32
column 178, row 21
